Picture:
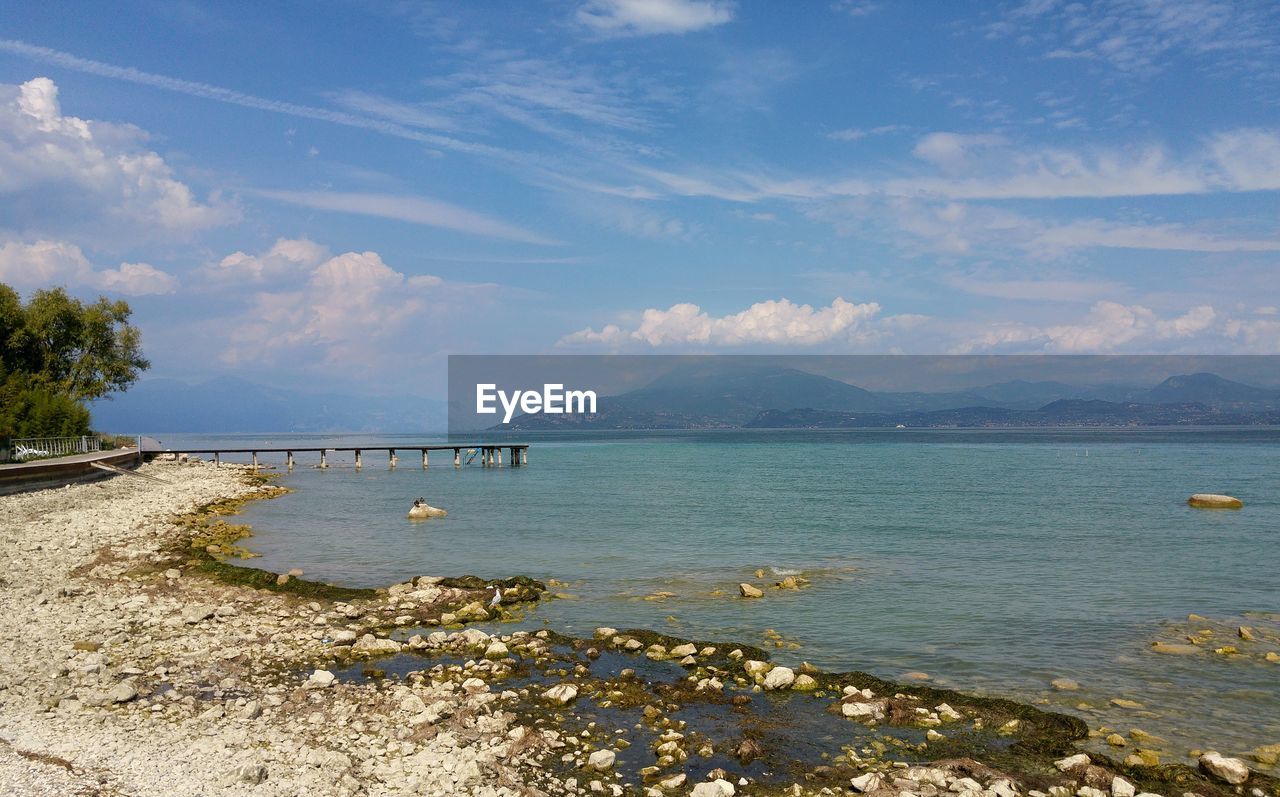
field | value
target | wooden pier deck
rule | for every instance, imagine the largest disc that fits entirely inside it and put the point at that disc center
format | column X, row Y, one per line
column 490, row 454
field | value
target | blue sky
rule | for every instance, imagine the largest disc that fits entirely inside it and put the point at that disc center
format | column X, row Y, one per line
column 341, row 194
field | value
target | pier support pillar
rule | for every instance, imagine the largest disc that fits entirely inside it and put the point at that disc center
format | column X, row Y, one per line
column 457, row 457
column 424, row 459
column 324, row 460
column 217, row 460
column 524, row 456
column 498, row 451
column 392, row 459
column 359, row 463
column 288, row 459
column 255, row 460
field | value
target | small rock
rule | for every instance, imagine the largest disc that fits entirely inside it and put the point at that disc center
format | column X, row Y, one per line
column 680, row 651
column 194, row 614
column 1231, row 770
column 321, row 679
column 715, row 788
column 748, row 591
column 1246, row 633
column 282, row 579
column 804, row 683
column 1122, row 788
column 915, row 676
column 1064, row 684
column 122, row 693
column 1072, row 762
column 1268, row 754
column 868, row 782
column 1115, row 740
column 251, row 773
column 496, row 650
column 563, row 694
column 1121, row 702
column 779, row 678
column 602, row 760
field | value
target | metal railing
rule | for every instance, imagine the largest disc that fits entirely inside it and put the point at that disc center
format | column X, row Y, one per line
column 26, row 448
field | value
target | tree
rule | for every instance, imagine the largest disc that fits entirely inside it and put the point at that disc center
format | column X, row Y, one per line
column 56, row 354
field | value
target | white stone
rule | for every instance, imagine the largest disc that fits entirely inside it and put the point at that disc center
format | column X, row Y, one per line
column 321, row 679
column 1231, row 770
column 714, row 788
column 601, row 760
column 1072, row 762
column 561, row 693
column 1122, row 788
column 779, row 678
column 868, row 782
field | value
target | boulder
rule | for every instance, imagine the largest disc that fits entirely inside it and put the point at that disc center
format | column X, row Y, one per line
column 804, row 683
column 748, row 591
column 680, row 651
column 714, row 788
column 1122, row 788
column 1231, row 770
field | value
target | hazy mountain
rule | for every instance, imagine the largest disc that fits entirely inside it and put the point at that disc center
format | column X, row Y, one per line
column 1064, row 412
column 1210, row 390
column 228, row 404
column 706, row 396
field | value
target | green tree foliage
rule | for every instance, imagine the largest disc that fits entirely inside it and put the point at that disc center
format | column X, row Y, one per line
column 56, row 354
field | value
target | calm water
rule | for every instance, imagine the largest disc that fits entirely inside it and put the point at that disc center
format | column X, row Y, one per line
column 994, row 561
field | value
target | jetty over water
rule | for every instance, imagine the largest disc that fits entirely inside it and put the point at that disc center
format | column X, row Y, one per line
column 490, row 455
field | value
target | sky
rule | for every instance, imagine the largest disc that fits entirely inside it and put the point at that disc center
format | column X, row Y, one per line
column 338, row 195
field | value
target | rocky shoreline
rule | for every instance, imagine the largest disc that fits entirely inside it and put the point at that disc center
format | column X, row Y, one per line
column 138, row 658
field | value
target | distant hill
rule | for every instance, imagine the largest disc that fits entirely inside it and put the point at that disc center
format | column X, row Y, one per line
column 736, row 395
column 1064, row 412
column 1211, row 390
column 230, row 405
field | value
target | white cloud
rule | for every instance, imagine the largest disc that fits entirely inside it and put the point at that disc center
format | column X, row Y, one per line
column 60, row 175
column 338, row 311
column 46, row 264
column 1143, row 38
column 859, row 133
column 1109, row 326
column 776, row 322
column 286, row 258
column 953, row 150
column 645, row 17
column 413, row 209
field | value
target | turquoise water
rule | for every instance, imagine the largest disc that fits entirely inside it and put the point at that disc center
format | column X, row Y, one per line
column 993, row 561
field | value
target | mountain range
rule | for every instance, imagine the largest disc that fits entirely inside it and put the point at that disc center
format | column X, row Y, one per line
column 739, row 396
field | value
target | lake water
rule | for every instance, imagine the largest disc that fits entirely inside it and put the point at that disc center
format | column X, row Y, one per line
column 993, row 561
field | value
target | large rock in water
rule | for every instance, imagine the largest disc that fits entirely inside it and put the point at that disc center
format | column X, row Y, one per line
column 749, row 591
column 1214, row 501
column 422, row 511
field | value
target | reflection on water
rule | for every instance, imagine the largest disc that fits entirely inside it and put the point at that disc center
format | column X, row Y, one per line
column 992, row 561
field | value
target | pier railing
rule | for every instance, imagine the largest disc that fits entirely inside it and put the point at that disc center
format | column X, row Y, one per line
column 28, row 448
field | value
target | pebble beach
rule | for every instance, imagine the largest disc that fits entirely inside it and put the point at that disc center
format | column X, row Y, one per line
column 138, row 656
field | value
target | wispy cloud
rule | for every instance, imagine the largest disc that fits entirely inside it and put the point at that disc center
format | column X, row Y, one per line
column 412, row 209
column 648, row 17
column 233, row 97
column 1143, row 37
column 859, row 133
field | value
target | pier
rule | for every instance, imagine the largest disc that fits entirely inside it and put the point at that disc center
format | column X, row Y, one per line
column 490, row 456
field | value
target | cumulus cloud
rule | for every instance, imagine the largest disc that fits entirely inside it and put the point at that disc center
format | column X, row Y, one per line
column 335, row 310
column 776, row 322
column 645, row 17
column 1108, row 326
column 61, row 175
column 45, row 264
column 286, row 258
